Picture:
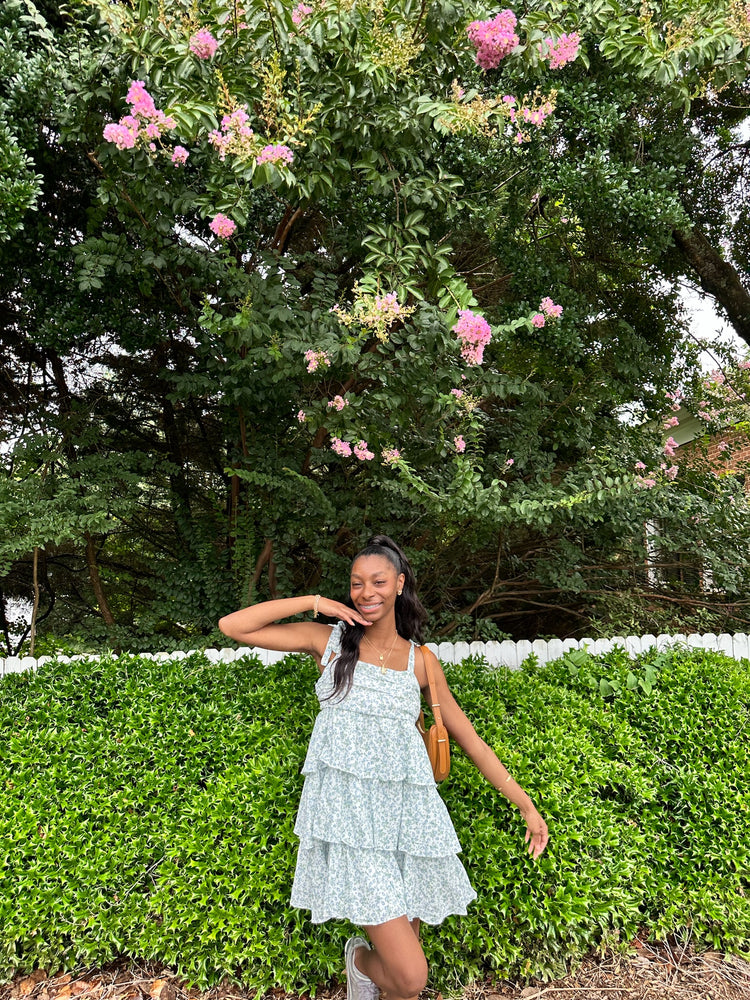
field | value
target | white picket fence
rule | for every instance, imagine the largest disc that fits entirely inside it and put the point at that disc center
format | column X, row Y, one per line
column 506, row 654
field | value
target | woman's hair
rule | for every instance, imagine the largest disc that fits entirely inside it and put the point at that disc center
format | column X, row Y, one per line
column 410, row 615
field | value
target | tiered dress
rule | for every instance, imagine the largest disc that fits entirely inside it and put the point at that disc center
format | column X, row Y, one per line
column 376, row 841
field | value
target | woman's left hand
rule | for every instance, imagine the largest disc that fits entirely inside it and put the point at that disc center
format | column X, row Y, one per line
column 537, row 834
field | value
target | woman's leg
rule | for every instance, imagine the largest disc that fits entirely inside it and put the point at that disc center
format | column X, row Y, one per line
column 397, row 965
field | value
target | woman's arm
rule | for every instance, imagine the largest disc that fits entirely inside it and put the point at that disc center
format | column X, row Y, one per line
column 487, row 762
column 255, row 626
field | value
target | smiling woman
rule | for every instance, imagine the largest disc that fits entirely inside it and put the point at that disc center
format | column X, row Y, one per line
column 377, row 846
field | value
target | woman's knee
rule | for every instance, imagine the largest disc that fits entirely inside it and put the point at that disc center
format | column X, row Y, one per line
column 411, row 979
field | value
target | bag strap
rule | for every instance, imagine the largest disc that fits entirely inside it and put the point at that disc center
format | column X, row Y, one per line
column 429, row 656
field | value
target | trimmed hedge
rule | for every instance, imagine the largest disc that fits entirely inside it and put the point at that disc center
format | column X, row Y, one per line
column 147, row 809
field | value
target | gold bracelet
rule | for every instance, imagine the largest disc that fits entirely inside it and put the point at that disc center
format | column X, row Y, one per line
column 315, row 606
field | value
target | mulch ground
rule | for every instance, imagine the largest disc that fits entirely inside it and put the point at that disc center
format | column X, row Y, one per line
column 667, row 971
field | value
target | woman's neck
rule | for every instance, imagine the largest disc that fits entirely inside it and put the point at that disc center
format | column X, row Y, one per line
column 381, row 632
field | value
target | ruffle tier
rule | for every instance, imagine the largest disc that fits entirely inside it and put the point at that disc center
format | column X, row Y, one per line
column 336, row 881
column 369, row 746
column 372, row 814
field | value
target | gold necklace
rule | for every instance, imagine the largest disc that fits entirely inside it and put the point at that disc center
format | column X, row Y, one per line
column 383, row 657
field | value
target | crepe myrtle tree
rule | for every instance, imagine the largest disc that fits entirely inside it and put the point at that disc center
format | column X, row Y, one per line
column 299, row 184
column 307, row 147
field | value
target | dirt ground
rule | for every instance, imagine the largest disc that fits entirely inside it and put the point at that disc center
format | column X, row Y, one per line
column 667, row 971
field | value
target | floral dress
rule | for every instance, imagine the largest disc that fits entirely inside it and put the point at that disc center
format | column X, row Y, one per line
column 376, row 841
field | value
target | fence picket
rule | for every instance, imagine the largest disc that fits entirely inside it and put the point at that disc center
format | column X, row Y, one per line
column 492, row 653
column 540, row 649
column 741, row 646
column 633, row 645
column 724, row 643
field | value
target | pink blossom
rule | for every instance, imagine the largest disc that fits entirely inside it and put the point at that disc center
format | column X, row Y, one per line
column 234, row 131
column 317, row 359
column 275, row 153
column 237, row 121
column 722, row 445
column 538, row 320
column 509, row 99
column 475, row 333
column 458, row 393
column 669, row 447
column 509, row 462
column 387, row 304
column 338, row 403
column 671, row 472
column 342, row 448
column 494, row 39
column 222, row 226
column 390, row 455
column 362, row 451
column 301, row 416
column 549, row 308
column 459, row 443
column 704, row 415
column 640, row 465
column 676, row 406
column 203, row 44
column 671, row 422
column 122, row 136
column 145, row 120
column 140, row 101
column 646, row 484
column 179, row 155
column 300, row 12
column 562, row 51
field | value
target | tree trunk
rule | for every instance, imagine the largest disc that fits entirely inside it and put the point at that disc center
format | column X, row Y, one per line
column 717, row 277
column 96, row 583
column 4, row 626
column 35, row 606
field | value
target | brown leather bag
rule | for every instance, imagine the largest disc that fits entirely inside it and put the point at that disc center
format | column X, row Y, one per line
column 436, row 737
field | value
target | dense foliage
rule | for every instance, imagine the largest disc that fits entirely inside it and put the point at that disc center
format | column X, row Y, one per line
column 148, row 807
column 297, row 273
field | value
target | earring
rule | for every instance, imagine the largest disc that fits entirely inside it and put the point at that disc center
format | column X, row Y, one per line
column 399, row 594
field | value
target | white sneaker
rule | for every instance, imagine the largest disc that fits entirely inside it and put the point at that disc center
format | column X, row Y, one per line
column 358, row 985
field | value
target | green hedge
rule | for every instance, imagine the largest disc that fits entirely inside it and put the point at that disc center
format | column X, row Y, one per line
column 147, row 809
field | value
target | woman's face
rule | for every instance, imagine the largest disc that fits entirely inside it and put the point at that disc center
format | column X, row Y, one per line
column 374, row 586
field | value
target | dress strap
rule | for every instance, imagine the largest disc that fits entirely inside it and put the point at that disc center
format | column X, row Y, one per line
column 410, row 664
column 333, row 646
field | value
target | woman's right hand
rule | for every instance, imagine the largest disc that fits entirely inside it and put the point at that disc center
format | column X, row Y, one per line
column 335, row 609
column 537, row 835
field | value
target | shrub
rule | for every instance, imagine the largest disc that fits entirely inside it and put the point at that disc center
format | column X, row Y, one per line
column 148, row 809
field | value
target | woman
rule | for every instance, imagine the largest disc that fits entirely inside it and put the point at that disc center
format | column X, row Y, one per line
column 377, row 846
